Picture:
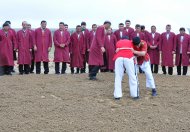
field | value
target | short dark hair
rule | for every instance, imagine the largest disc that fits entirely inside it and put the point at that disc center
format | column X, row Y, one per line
column 62, row 23
column 136, row 41
column 83, row 23
column 137, row 26
column 5, row 24
column 107, row 22
column 153, row 26
column 43, row 21
column 65, row 24
column 94, row 25
column 78, row 26
column 168, row 25
column 182, row 29
column 9, row 22
column 127, row 21
column 121, row 24
column 142, row 27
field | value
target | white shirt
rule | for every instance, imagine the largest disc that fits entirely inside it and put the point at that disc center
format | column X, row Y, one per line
column 78, row 36
column 181, row 40
column 137, row 34
column 109, row 37
column 167, row 35
column 127, row 30
column 153, row 35
column 61, row 33
column 121, row 34
column 94, row 33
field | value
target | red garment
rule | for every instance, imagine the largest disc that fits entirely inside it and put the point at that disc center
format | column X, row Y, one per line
column 154, row 53
column 24, row 45
column 61, row 54
column 43, row 42
column 143, row 47
column 185, row 48
column 91, row 37
column 118, row 36
column 146, row 35
column 6, row 48
column 77, row 50
column 86, row 34
column 129, row 32
column 96, row 55
column 141, row 35
column 127, row 53
column 110, row 45
column 167, row 46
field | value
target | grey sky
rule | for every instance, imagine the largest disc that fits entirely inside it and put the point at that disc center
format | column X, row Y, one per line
column 72, row 12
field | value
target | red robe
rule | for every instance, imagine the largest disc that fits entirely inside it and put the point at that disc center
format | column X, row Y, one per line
column 14, row 43
column 141, row 35
column 96, row 55
column 77, row 50
column 43, row 42
column 33, row 42
column 6, row 48
column 91, row 37
column 86, row 34
column 167, row 46
column 118, row 35
column 154, row 53
column 185, row 48
column 110, row 46
column 24, row 45
column 129, row 32
column 61, row 54
column 146, row 35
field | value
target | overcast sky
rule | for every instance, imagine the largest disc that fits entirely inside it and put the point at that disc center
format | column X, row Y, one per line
column 72, row 12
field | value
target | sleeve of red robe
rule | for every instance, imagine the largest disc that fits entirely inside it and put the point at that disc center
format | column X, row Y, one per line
column 83, row 46
column 100, row 36
column 68, row 39
column 31, row 41
column 50, row 39
column 56, row 43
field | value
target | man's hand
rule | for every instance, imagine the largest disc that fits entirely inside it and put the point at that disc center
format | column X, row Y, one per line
column 62, row 45
column 103, row 49
column 35, row 48
column 173, row 52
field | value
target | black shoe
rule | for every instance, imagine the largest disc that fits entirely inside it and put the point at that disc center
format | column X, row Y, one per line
column 135, row 98
column 63, row 72
column 9, row 73
column 37, row 72
column 20, row 73
column 31, row 72
column 13, row 71
column 154, row 93
column 117, row 98
column 93, row 78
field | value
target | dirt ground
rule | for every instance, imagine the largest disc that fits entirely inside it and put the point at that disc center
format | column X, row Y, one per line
column 69, row 103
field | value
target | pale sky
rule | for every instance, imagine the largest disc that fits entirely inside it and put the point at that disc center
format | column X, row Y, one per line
column 72, row 12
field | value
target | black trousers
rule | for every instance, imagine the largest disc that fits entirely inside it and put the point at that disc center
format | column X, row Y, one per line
column 170, row 70
column 15, row 58
column 57, row 67
column 38, row 67
column 154, row 68
column 185, row 68
column 94, row 71
column 32, row 62
column 5, row 70
column 24, row 69
column 83, row 70
column 77, row 70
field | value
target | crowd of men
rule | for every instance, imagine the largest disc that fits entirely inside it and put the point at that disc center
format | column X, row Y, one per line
column 96, row 48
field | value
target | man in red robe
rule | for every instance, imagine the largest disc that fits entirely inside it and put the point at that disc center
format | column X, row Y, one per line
column 91, row 37
column 32, row 53
column 66, row 27
column 146, row 33
column 24, row 48
column 167, row 49
column 182, row 51
column 61, row 40
column 120, row 32
column 14, row 52
column 77, row 50
column 153, row 50
column 7, row 38
column 110, row 47
column 42, row 47
column 138, row 33
column 128, row 28
column 86, row 34
column 97, row 49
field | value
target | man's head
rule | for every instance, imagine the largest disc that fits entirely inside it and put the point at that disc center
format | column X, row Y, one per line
column 107, row 24
column 168, row 28
column 109, row 31
column 29, row 26
column 66, row 27
column 83, row 25
column 142, row 28
column 78, row 28
column 94, row 27
column 138, row 28
column 127, row 23
column 121, row 26
column 9, row 22
column 6, row 26
column 136, row 41
column 182, row 30
column 153, row 29
column 61, row 26
column 24, row 25
column 43, row 24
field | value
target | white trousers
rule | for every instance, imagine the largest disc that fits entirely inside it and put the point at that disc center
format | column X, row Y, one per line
column 122, row 64
column 148, row 73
